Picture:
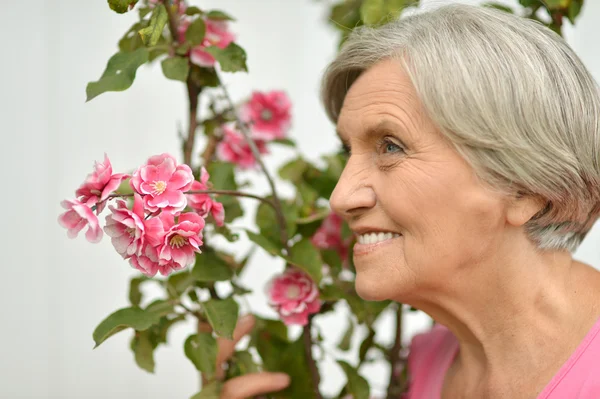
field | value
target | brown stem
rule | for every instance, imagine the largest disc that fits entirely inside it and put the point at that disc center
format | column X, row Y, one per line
column 220, row 192
column 278, row 208
column 193, row 97
column 172, row 21
column 396, row 382
column 210, row 149
column 310, row 361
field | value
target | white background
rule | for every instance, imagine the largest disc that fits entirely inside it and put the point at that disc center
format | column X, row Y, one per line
column 55, row 291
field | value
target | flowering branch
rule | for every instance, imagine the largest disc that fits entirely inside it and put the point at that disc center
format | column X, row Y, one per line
column 244, row 129
column 193, row 97
column 220, row 192
column 172, row 21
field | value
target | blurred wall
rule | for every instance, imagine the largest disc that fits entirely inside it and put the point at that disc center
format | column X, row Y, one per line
column 56, row 290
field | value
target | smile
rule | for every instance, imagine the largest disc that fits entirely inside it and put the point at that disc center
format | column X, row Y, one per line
column 374, row 238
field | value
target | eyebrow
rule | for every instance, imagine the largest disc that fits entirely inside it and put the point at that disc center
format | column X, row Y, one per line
column 382, row 128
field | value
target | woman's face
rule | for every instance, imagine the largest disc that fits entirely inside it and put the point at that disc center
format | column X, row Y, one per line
column 403, row 177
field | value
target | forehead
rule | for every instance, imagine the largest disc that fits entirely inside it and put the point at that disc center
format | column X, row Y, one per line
column 383, row 92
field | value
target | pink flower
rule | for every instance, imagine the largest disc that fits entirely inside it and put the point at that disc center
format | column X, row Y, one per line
column 234, row 148
column 147, row 262
column 128, row 229
column 329, row 236
column 182, row 240
column 217, row 34
column 99, row 185
column 77, row 216
column 294, row 295
column 162, row 183
column 269, row 114
column 203, row 203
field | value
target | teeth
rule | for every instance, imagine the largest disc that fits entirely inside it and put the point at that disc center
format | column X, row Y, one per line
column 373, row 238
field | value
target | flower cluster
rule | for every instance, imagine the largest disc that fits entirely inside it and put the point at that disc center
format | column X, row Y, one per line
column 294, row 296
column 329, row 236
column 155, row 235
column 268, row 116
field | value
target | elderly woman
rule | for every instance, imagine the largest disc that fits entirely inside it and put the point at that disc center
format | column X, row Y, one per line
column 474, row 147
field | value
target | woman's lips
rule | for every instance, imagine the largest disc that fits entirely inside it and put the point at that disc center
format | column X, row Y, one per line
column 363, row 249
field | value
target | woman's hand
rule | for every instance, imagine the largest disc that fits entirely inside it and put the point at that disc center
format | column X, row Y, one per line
column 251, row 384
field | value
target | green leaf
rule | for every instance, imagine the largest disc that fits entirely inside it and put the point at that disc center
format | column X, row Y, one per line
column 218, row 15
column 143, row 350
column 132, row 40
column 132, row 317
column 232, row 58
column 119, row 73
column 161, row 307
column 331, row 292
column 154, row 30
column 201, row 349
column 210, row 267
column 499, row 6
column 120, row 6
column 135, row 295
column 204, row 77
column 306, row 257
column 365, row 311
column 143, row 11
column 211, row 391
column 222, row 175
column 574, row 10
column 366, row 345
column 266, row 219
column 175, row 68
column 323, row 181
column 346, row 15
column 375, row 12
column 222, row 316
column 556, row 4
column 372, row 11
column 347, row 338
column 287, row 357
column 196, row 31
column 242, row 363
column 332, row 259
column 357, row 386
column 161, row 330
column 267, row 328
column 264, row 243
column 285, row 141
column 293, row 170
column 193, row 10
column 178, row 283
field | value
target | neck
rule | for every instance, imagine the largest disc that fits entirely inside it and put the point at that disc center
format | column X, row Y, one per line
column 515, row 312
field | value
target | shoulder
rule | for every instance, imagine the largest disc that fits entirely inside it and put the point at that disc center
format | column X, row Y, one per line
column 430, row 355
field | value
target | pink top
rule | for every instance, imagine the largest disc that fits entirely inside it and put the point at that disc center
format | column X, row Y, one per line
column 432, row 353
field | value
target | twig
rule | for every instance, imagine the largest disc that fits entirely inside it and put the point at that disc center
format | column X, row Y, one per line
column 256, row 153
column 172, row 21
column 193, row 97
column 220, row 192
column 395, row 383
column 310, row 361
column 210, row 149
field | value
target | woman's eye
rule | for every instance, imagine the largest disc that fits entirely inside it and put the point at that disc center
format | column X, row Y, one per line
column 391, row 147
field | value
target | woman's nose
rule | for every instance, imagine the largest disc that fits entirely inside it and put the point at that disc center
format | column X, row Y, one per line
column 353, row 193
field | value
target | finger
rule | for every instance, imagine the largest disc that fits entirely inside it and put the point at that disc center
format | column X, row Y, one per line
column 254, row 384
column 226, row 346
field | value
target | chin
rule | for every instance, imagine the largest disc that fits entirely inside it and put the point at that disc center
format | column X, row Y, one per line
column 371, row 288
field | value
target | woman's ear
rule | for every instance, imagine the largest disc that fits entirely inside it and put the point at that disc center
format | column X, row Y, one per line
column 523, row 207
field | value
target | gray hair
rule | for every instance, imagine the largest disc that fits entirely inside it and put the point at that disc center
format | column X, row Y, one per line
column 512, row 97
